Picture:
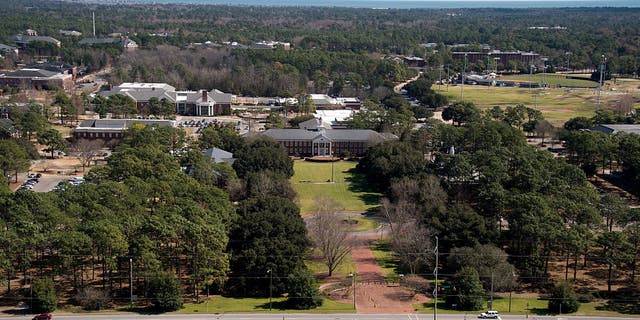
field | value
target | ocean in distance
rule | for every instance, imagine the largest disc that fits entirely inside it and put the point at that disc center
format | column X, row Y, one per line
column 408, row 4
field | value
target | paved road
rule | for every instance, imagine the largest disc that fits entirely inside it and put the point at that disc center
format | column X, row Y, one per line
column 305, row 317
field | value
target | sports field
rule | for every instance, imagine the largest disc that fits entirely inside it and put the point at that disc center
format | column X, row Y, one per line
column 557, row 104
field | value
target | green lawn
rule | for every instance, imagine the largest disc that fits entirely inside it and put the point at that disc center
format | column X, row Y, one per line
column 344, row 269
column 218, row 304
column 360, row 223
column 384, row 257
column 313, row 179
column 552, row 80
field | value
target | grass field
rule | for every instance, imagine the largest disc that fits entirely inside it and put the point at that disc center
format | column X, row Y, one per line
column 361, row 223
column 218, row 304
column 313, row 179
column 384, row 257
column 551, row 79
column 557, row 105
column 344, row 269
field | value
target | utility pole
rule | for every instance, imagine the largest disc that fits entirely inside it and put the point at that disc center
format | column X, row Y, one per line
column 270, row 286
column 463, row 72
column 491, row 301
column 131, row 281
column 602, row 66
column 530, row 77
column 93, row 15
column 353, row 282
column 440, row 76
column 448, row 78
column 435, row 290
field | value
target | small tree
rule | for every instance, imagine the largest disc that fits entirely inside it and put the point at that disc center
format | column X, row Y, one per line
column 92, row 299
column 468, row 293
column 563, row 299
column 328, row 233
column 86, row 151
column 53, row 140
column 303, row 290
column 44, row 296
column 165, row 291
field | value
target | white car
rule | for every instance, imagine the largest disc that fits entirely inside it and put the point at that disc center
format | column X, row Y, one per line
column 490, row 315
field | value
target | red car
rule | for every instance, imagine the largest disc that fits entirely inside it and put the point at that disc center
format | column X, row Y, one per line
column 44, row 316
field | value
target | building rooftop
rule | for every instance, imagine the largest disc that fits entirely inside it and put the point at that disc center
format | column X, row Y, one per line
column 23, row 39
column 617, row 128
column 219, row 155
column 31, row 73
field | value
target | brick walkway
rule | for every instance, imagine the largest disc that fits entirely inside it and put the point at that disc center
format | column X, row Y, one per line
column 373, row 293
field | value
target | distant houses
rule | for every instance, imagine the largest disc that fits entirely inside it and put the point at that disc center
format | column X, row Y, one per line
column 23, row 40
column 617, row 128
column 123, row 42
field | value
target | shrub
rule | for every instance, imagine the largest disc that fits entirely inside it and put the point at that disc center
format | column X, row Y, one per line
column 468, row 293
column 44, row 296
column 165, row 291
column 563, row 299
column 303, row 290
column 92, row 299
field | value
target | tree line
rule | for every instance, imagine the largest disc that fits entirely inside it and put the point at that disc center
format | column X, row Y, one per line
column 501, row 209
column 166, row 219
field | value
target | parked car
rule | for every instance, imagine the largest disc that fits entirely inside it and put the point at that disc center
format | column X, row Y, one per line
column 43, row 316
column 490, row 315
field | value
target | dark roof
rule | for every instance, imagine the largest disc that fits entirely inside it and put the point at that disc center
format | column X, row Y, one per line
column 120, row 123
column 31, row 73
column 616, row 128
column 19, row 38
column 91, row 41
column 49, row 66
column 4, row 47
column 332, row 134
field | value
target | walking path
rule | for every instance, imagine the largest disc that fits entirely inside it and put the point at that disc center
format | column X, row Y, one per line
column 373, row 293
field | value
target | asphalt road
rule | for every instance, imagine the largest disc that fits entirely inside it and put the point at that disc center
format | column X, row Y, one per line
column 306, row 317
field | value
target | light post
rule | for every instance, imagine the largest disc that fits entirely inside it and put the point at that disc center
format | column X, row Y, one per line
column 495, row 63
column 131, row 281
column 544, row 69
column 448, row 78
column 270, row 286
column 568, row 54
column 435, row 291
column 602, row 66
column 353, row 283
column 530, row 77
column 440, row 77
column 491, row 300
column 463, row 72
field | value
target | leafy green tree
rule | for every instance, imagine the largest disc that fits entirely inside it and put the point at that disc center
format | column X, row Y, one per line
column 44, row 296
column 294, row 122
column 268, row 234
column 563, row 299
column 274, row 121
column 578, row 123
column 468, row 293
column 616, row 251
column 53, row 140
column 165, row 291
column 461, row 112
column 63, row 102
column 263, row 154
column 391, row 160
column 629, row 155
column 13, row 158
column 303, row 293
column 491, row 263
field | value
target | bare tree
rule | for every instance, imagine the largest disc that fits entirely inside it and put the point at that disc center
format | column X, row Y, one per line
column 328, row 233
column 410, row 239
column 86, row 151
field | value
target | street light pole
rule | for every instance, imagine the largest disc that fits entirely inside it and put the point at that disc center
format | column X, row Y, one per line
column 491, row 301
column 131, row 281
column 270, row 286
column 463, row 72
column 435, row 291
column 602, row 66
column 353, row 283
